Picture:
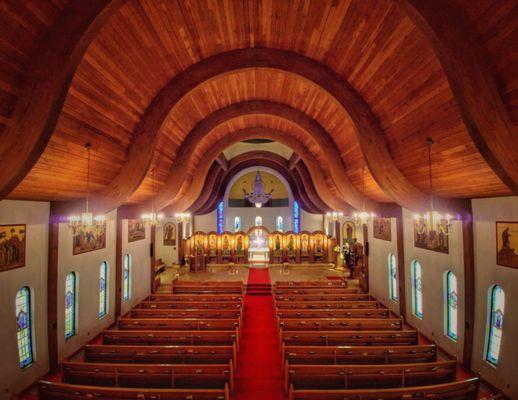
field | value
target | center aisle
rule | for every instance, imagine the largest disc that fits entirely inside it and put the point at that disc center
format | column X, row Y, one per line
column 259, row 374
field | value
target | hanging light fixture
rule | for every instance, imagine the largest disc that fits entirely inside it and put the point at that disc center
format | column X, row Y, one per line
column 363, row 217
column 182, row 217
column 153, row 218
column 334, row 215
column 86, row 219
column 258, row 195
column 432, row 219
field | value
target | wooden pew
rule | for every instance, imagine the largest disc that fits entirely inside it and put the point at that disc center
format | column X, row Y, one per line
column 220, row 287
column 173, row 376
column 331, row 305
column 335, row 355
column 368, row 376
column 185, row 313
column 349, row 338
column 305, row 284
column 180, row 305
column 192, row 338
column 194, row 324
column 323, row 297
column 160, row 354
column 341, row 313
column 311, row 290
column 64, row 391
column 194, row 297
column 340, row 324
column 461, row 390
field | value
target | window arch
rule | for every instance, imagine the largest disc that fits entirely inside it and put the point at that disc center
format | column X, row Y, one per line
column 126, row 278
column 417, row 289
column 70, row 304
column 258, row 221
column 103, row 291
column 296, row 217
column 237, row 224
column 220, row 217
column 451, row 303
column 496, row 319
column 24, row 327
column 393, row 288
column 279, row 223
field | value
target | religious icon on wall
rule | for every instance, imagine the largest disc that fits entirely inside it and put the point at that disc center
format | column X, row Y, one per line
column 239, row 244
column 225, row 245
column 382, row 228
column 169, row 234
column 291, row 244
column 12, row 246
column 277, row 245
column 319, row 243
column 136, row 230
column 507, row 243
column 90, row 238
column 435, row 239
column 349, row 232
column 304, row 244
column 213, row 245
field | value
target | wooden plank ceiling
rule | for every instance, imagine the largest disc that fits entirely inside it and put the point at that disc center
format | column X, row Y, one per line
column 369, row 43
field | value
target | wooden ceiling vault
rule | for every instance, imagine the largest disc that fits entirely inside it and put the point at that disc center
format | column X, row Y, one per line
column 169, row 85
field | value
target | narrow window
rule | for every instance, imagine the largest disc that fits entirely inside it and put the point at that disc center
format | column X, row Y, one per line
column 103, row 281
column 24, row 327
column 237, row 224
column 296, row 217
column 220, row 218
column 280, row 224
column 417, row 289
column 392, row 277
column 451, row 305
column 496, row 319
column 70, row 305
column 258, row 221
column 126, row 278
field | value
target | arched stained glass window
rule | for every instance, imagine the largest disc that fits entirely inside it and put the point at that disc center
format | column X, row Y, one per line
column 258, row 221
column 24, row 327
column 279, row 224
column 237, row 224
column 220, row 217
column 103, row 295
column 496, row 320
column 70, row 305
column 451, row 302
column 392, row 277
column 126, row 278
column 296, row 217
column 417, row 289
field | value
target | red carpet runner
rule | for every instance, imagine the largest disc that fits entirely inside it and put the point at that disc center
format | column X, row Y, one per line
column 259, row 374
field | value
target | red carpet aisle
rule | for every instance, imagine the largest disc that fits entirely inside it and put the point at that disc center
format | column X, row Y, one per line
column 259, row 374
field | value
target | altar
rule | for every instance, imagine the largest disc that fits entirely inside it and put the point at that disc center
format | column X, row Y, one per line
column 258, row 250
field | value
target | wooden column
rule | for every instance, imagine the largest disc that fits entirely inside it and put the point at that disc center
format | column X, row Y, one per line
column 52, row 292
column 401, row 263
column 180, row 243
column 469, row 285
column 365, row 257
column 152, row 251
column 118, row 269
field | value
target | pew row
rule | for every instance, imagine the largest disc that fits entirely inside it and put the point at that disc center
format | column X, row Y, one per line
column 191, row 338
column 172, row 376
column 341, row 313
column 64, row 391
column 186, row 313
column 323, row 297
column 192, row 324
column 336, row 355
column 336, row 290
column 198, row 305
column 340, row 324
column 330, row 305
column 219, row 287
column 368, row 376
column 314, row 284
column 194, row 297
column 461, row 390
column 351, row 338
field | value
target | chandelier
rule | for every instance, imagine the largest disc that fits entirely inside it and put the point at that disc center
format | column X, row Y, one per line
column 258, row 196
column 335, row 215
column 363, row 217
column 86, row 219
column 431, row 218
column 182, row 217
column 153, row 218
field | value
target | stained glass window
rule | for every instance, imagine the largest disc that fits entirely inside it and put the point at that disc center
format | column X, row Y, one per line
column 258, row 221
column 392, row 277
column 24, row 327
column 280, row 224
column 103, row 281
column 417, row 289
column 126, row 278
column 220, row 218
column 451, row 305
column 70, row 305
column 296, row 217
column 237, row 224
column 496, row 319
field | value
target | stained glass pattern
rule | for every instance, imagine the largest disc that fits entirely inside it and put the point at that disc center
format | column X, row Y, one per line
column 24, row 327
column 126, row 278
column 417, row 289
column 237, row 224
column 496, row 315
column 103, row 298
column 451, row 305
column 70, row 305
column 258, row 221
column 392, row 277
column 296, row 217
column 280, row 224
column 220, row 218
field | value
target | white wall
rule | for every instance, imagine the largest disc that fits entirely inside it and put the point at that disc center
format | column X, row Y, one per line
column 34, row 275
column 206, row 222
column 248, row 214
column 168, row 254
column 485, row 213
column 310, row 222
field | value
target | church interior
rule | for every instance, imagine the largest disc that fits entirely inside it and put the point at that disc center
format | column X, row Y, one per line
column 258, row 199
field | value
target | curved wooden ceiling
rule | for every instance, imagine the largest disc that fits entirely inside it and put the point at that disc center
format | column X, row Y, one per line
column 371, row 44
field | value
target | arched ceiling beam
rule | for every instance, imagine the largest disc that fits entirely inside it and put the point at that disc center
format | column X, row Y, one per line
column 368, row 132
column 212, row 182
column 465, row 63
column 47, row 80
